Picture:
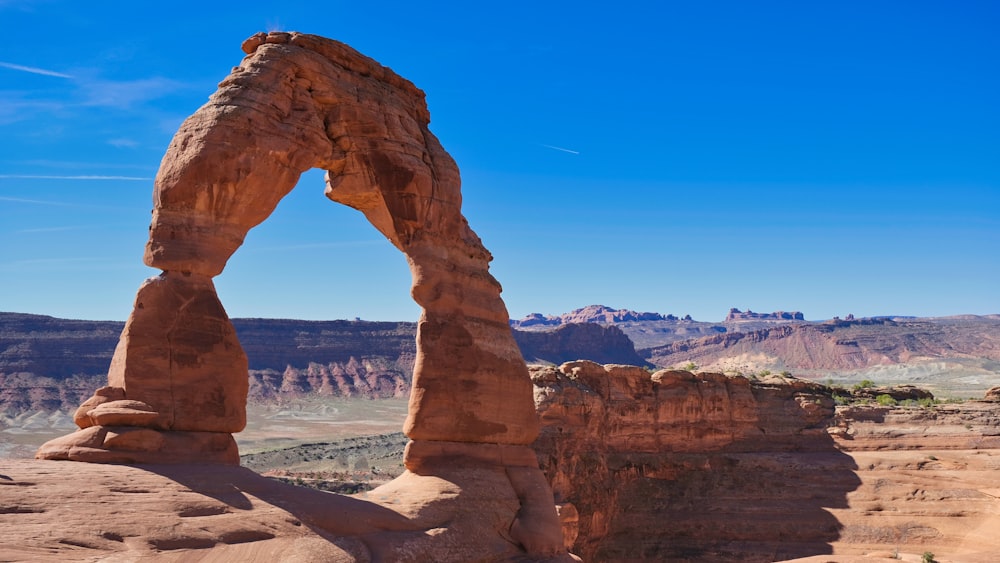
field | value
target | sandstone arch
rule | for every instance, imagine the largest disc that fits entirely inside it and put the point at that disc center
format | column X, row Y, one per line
column 177, row 383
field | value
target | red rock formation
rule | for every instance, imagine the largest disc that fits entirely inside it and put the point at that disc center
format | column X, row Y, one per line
column 603, row 344
column 842, row 344
column 178, row 377
column 678, row 466
column 598, row 314
column 736, row 315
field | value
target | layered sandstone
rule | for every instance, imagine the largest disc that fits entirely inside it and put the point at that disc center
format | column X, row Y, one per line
column 602, row 344
column 928, row 482
column 597, row 314
column 177, row 385
column 672, row 465
column 666, row 466
column 736, row 315
column 844, row 345
column 297, row 102
column 676, row 466
column 450, row 511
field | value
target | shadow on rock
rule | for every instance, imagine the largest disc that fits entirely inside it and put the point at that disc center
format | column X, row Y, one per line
column 675, row 466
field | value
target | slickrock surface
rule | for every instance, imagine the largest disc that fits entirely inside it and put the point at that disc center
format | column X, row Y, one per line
column 930, row 481
column 670, row 466
column 65, row 511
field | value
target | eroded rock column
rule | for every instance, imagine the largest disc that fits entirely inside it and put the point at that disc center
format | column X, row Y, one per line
column 179, row 376
column 177, row 384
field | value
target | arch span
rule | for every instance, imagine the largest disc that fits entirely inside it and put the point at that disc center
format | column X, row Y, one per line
column 177, row 384
column 298, row 102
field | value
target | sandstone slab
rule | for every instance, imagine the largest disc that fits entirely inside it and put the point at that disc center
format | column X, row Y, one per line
column 192, row 512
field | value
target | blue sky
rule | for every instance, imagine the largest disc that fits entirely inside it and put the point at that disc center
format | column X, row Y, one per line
column 679, row 157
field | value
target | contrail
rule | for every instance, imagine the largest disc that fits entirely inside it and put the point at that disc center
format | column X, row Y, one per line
column 32, row 177
column 37, row 201
column 34, row 70
column 560, row 149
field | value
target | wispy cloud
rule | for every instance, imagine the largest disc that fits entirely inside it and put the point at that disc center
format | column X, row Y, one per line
column 53, row 203
column 78, row 165
column 315, row 245
column 17, row 106
column 50, row 230
column 37, row 201
column 555, row 148
column 125, row 93
column 38, row 177
column 34, row 70
column 123, row 143
column 85, row 90
column 75, row 263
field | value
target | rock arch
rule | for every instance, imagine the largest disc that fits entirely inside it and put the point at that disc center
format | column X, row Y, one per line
column 178, row 380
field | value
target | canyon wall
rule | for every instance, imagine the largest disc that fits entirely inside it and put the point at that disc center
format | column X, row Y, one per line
column 694, row 467
column 49, row 364
column 677, row 466
column 842, row 344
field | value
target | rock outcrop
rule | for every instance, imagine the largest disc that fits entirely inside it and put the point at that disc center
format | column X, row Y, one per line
column 50, row 365
column 601, row 344
column 748, row 315
column 178, row 382
column 752, row 475
column 841, row 344
column 676, row 466
column 597, row 314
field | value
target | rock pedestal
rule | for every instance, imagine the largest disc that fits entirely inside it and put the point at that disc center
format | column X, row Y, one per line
column 178, row 380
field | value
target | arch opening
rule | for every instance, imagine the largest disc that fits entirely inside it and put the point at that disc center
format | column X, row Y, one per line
column 298, row 102
column 177, row 384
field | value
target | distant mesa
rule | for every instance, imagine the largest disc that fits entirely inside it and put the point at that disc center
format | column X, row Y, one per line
column 602, row 314
column 748, row 315
column 595, row 314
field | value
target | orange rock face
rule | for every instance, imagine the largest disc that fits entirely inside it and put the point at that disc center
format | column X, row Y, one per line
column 675, row 466
column 298, row 102
column 178, row 379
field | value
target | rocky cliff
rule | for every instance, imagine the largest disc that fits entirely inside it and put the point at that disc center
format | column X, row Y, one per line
column 748, row 315
column 598, row 314
column 665, row 466
column 364, row 359
column 602, row 344
column 675, row 466
column 49, row 364
column 839, row 344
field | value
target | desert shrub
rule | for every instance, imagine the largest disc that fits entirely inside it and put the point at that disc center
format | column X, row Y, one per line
column 928, row 557
column 841, row 400
column 764, row 373
column 864, row 384
column 690, row 366
column 786, row 373
column 926, row 402
column 886, row 400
